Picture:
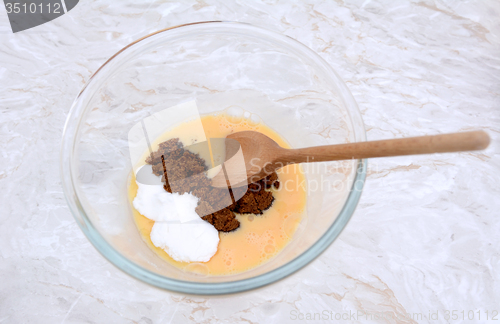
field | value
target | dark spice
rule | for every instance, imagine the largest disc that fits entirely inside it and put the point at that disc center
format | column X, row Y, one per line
column 185, row 173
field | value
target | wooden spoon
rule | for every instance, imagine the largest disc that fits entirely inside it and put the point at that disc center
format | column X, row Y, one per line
column 262, row 155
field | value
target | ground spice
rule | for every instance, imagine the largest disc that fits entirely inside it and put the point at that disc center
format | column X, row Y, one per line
column 185, row 173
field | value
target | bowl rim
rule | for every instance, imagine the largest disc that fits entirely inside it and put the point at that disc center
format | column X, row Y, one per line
column 202, row 288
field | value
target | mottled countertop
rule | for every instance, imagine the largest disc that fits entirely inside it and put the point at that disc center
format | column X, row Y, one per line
column 423, row 241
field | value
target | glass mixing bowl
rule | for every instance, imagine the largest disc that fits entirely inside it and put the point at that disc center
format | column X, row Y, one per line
column 220, row 65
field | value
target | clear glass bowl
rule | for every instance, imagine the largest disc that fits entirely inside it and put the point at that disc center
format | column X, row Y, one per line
column 220, row 64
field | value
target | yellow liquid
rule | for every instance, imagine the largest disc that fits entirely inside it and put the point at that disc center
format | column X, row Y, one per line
column 259, row 237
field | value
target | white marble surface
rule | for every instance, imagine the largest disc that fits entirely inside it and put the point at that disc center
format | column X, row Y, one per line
column 424, row 238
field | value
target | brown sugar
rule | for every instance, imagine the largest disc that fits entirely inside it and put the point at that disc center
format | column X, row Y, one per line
column 185, row 173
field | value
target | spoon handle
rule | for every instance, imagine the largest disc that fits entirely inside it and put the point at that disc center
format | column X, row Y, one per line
column 454, row 142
